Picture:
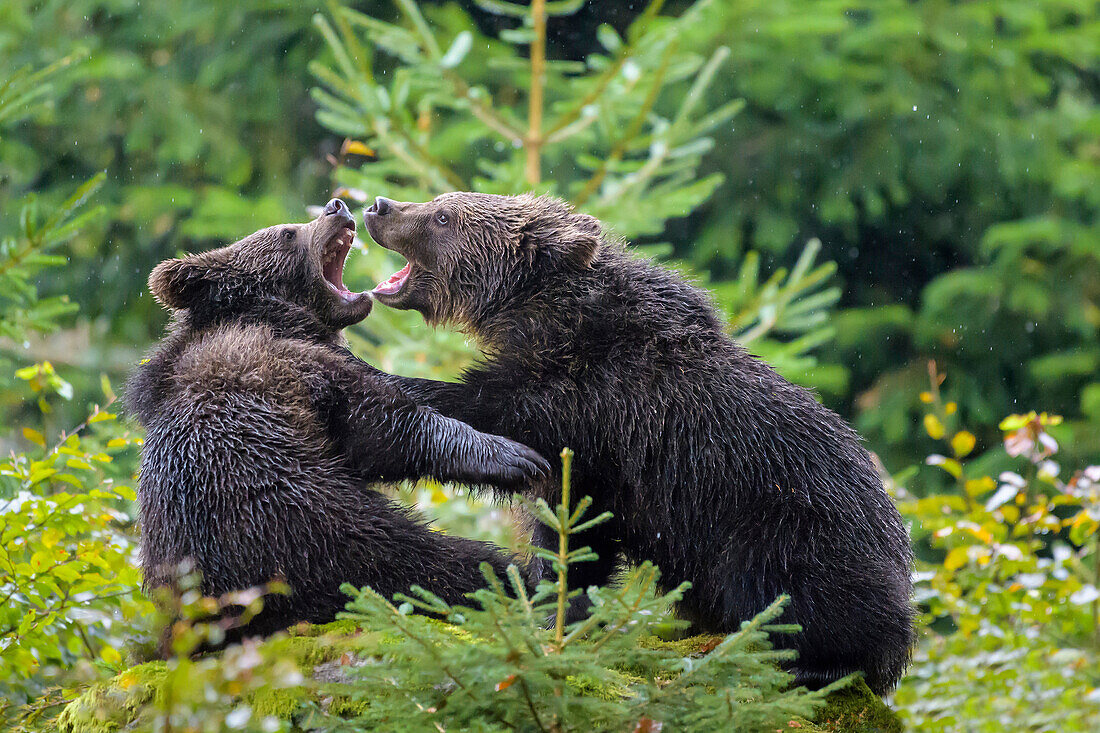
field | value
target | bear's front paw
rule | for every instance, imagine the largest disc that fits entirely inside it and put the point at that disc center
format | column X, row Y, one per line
column 507, row 463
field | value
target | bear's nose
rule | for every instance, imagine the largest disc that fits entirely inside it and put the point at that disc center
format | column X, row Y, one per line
column 337, row 206
column 382, row 205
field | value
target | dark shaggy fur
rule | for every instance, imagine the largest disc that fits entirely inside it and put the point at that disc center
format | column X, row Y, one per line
column 264, row 435
column 715, row 467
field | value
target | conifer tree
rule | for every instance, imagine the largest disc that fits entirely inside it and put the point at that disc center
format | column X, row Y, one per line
column 430, row 104
column 496, row 666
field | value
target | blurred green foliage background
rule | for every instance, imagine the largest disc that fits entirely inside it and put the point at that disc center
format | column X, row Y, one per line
column 864, row 186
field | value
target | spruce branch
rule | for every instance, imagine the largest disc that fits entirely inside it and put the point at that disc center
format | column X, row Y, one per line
column 412, row 12
column 381, row 119
column 482, row 108
column 397, row 619
column 573, row 115
column 632, row 130
column 664, row 144
column 520, row 589
column 783, row 301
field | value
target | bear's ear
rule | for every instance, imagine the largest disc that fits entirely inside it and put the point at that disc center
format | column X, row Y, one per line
column 571, row 239
column 584, row 239
column 177, row 283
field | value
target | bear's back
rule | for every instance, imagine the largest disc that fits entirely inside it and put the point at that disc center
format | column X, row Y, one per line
column 241, row 395
column 233, row 433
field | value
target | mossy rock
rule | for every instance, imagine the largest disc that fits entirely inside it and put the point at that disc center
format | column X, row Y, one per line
column 112, row 705
column 115, row 705
column 856, row 709
column 325, row 653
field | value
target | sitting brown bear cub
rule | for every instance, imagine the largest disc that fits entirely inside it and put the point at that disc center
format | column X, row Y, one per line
column 715, row 467
column 264, row 435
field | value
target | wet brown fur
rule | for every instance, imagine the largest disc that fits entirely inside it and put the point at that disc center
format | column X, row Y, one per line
column 265, row 437
column 715, row 467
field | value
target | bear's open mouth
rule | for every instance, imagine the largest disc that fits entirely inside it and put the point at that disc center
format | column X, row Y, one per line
column 396, row 281
column 336, row 254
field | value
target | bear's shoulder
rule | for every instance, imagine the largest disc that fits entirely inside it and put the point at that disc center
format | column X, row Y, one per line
column 242, row 359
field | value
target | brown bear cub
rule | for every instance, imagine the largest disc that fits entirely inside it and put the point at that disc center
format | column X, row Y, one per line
column 264, row 435
column 715, row 467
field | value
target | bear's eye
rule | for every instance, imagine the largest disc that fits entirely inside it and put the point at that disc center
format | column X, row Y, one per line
column 442, row 218
column 287, row 234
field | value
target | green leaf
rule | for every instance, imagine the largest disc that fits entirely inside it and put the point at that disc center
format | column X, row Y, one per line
column 609, row 38
column 458, row 50
column 500, row 7
column 1013, row 422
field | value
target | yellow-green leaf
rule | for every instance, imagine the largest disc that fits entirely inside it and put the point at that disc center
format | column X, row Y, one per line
column 102, row 416
column 950, row 465
column 110, row 655
column 35, row 437
column 40, row 561
column 933, row 426
column 1013, row 422
column 1082, row 527
column 962, row 443
column 40, row 474
column 354, row 147
column 69, row 573
column 979, row 486
column 956, row 558
column 105, row 385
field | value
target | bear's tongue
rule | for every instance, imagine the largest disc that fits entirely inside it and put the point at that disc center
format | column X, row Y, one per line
column 396, row 281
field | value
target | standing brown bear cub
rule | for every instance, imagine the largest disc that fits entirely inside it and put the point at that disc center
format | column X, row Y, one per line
column 264, row 435
column 715, row 467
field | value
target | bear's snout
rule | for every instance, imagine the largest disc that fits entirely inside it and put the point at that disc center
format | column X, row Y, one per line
column 381, row 206
column 337, row 206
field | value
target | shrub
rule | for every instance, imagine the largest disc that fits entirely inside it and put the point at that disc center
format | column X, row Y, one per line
column 1011, row 586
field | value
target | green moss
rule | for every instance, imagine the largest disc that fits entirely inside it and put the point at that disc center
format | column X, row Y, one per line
column 308, row 651
column 345, row 706
column 456, row 631
column 691, row 646
column 340, row 627
column 856, row 709
column 281, row 702
column 584, row 684
column 113, row 704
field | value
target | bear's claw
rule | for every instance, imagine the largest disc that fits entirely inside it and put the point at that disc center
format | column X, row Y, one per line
column 509, row 463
